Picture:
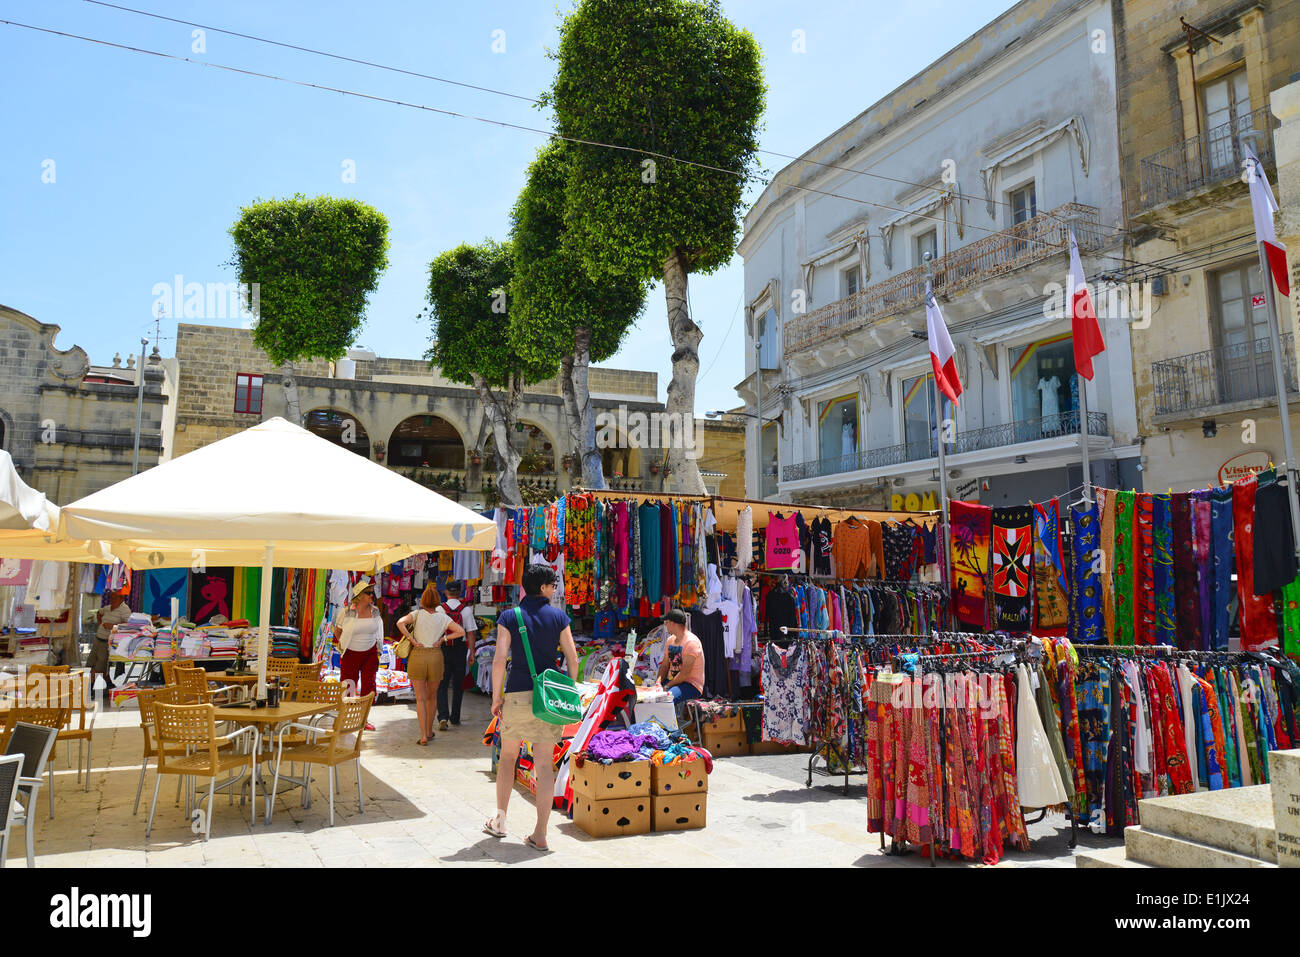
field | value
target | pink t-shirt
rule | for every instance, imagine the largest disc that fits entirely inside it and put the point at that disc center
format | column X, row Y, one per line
column 782, row 543
column 690, row 647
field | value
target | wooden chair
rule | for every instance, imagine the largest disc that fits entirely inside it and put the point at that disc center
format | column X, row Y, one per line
column 146, row 699
column 332, row 751
column 309, row 672
column 195, row 681
column 49, row 669
column 75, row 695
column 192, row 728
column 54, row 718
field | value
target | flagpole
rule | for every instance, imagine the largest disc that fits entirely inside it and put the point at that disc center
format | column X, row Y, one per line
column 1279, row 381
column 943, row 469
column 1083, row 436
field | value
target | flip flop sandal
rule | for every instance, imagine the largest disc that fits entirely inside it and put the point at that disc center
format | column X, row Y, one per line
column 535, row 846
column 496, row 825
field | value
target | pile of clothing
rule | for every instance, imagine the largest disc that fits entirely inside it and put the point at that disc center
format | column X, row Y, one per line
column 647, row 741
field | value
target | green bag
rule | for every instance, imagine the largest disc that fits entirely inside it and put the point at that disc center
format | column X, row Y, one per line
column 555, row 696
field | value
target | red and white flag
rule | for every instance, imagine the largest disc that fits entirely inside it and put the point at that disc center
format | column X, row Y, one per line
column 1085, row 329
column 1264, row 205
column 942, row 353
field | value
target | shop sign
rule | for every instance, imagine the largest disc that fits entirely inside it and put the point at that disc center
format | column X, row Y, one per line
column 913, row 502
column 1239, row 466
column 1258, row 302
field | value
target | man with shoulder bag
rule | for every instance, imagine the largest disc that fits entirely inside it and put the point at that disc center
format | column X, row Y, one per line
column 456, row 653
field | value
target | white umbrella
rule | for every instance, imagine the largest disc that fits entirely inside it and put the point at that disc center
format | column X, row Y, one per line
column 29, row 523
column 278, row 496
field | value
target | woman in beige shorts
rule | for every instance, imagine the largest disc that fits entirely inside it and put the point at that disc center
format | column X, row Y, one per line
column 427, row 627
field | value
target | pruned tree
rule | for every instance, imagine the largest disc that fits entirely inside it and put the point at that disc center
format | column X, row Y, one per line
column 314, row 262
column 677, row 79
column 559, row 313
column 468, row 305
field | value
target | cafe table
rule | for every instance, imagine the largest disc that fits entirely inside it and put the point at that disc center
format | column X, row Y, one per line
column 265, row 720
column 244, row 680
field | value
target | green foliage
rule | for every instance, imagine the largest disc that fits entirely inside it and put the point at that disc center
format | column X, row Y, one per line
column 668, row 76
column 315, row 260
column 552, row 293
column 469, row 305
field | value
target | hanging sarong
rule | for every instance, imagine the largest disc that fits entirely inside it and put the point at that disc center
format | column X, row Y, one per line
column 1258, row 623
column 1203, row 553
column 1144, row 600
column 1222, row 546
column 1122, row 576
column 1012, row 568
column 1106, row 544
column 971, row 527
column 1187, row 612
column 1163, row 537
column 1050, row 602
column 1089, row 617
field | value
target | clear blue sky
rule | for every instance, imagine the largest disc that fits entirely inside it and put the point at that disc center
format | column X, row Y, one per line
column 153, row 158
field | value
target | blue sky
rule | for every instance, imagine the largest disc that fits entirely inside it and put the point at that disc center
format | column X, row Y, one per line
column 152, row 158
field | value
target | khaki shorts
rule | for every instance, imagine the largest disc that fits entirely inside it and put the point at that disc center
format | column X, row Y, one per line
column 518, row 723
column 425, row 664
column 98, row 660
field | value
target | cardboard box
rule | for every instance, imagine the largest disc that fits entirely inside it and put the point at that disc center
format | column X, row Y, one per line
column 684, row 812
column 609, row 782
column 730, row 724
column 726, row 745
column 777, row 747
column 612, row 818
column 684, row 777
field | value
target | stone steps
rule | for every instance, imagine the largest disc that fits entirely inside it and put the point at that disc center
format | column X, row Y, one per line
column 1164, row 850
column 1236, row 820
column 1106, row 857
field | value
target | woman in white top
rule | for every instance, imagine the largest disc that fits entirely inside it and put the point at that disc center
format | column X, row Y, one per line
column 360, row 634
column 427, row 627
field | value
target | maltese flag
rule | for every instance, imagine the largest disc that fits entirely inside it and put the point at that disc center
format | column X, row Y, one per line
column 1264, row 205
column 1085, row 329
column 942, row 352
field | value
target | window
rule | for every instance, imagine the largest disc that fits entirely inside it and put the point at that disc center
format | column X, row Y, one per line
column 927, row 243
column 1044, row 389
column 920, row 421
column 768, row 354
column 837, row 432
column 1239, row 316
column 248, row 393
column 768, row 460
column 1024, row 204
column 851, row 285
column 1225, row 112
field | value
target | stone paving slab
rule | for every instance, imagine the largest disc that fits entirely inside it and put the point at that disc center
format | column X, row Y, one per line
column 424, row 806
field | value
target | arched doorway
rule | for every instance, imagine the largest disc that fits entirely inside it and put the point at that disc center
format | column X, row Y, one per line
column 426, row 441
column 341, row 428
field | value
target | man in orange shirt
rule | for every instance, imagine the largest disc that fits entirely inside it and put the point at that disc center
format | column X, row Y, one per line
column 681, row 673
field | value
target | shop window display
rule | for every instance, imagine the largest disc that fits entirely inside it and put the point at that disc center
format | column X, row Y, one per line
column 1044, row 389
column 837, row 431
column 920, row 414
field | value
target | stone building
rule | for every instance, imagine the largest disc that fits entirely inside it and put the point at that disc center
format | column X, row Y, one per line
column 1202, row 359
column 404, row 414
column 971, row 175
column 70, row 426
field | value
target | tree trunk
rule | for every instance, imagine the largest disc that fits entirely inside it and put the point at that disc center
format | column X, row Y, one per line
column 501, row 413
column 290, row 384
column 593, row 472
column 686, row 335
column 571, row 420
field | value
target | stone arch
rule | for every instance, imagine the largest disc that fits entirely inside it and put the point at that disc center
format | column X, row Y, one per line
column 531, row 443
column 426, row 440
column 340, row 427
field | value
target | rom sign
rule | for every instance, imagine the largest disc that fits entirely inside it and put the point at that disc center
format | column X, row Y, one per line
column 1247, row 463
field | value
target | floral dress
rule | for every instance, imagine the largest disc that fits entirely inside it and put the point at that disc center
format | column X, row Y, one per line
column 785, row 699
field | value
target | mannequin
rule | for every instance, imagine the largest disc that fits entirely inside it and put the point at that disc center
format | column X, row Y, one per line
column 1048, row 388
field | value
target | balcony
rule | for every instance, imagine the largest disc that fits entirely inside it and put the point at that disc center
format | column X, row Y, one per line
column 1064, row 425
column 1210, row 159
column 1205, row 381
column 1034, row 240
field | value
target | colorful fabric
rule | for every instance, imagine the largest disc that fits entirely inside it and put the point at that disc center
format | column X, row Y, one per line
column 1203, row 553
column 1163, row 538
column 1012, row 568
column 1089, row 617
column 1187, row 610
column 971, row 527
column 1223, row 564
column 1291, row 618
column 1258, row 622
column 1122, row 576
column 1144, row 601
column 1106, row 545
column 1051, row 615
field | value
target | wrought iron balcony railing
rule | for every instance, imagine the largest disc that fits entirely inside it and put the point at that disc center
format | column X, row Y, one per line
column 1203, row 381
column 973, row 440
column 1206, row 160
column 1037, row 238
